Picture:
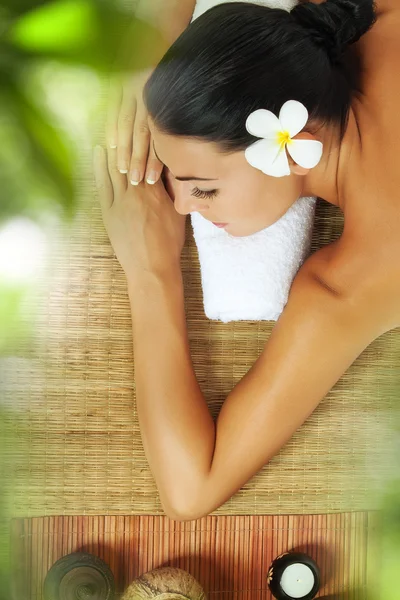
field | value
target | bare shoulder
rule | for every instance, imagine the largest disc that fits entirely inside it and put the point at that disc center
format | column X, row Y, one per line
column 381, row 6
column 356, row 274
column 379, row 55
column 386, row 6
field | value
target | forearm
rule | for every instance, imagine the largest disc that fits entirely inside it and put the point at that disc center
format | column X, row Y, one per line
column 178, row 432
column 171, row 17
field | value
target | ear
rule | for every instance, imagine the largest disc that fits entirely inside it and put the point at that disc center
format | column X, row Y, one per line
column 295, row 168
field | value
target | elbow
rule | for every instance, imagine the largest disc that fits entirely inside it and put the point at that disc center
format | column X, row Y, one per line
column 184, row 512
column 185, row 508
column 182, row 517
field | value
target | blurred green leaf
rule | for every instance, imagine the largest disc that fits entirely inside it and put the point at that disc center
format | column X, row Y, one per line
column 84, row 32
column 89, row 33
column 44, row 145
column 11, row 317
column 45, row 140
column 67, row 25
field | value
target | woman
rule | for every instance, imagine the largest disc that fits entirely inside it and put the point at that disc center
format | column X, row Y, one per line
column 203, row 100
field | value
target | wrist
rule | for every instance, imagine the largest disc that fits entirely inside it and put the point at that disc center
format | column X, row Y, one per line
column 141, row 281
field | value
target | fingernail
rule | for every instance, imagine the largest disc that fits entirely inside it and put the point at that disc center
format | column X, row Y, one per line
column 123, row 170
column 113, row 145
column 151, row 177
column 135, row 177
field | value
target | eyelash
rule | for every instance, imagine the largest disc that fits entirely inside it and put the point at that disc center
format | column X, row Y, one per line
column 205, row 195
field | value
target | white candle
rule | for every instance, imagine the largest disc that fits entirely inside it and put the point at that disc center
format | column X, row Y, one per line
column 297, row 580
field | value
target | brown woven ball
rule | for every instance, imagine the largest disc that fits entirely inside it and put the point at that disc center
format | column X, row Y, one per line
column 165, row 583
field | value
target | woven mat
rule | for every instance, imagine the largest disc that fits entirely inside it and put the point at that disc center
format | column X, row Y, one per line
column 229, row 556
column 77, row 447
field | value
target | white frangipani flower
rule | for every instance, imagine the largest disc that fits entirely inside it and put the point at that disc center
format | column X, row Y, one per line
column 269, row 153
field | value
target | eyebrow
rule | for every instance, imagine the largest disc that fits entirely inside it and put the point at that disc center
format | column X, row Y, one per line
column 190, row 178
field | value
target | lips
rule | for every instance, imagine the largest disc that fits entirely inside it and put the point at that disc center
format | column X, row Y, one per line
column 220, row 224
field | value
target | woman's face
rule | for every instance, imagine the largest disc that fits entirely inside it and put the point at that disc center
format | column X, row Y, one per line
column 223, row 188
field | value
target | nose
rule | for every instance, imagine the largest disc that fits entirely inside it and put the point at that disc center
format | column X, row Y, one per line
column 184, row 203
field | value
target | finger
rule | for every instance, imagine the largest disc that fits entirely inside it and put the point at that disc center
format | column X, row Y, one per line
column 126, row 122
column 102, row 178
column 118, row 180
column 154, row 166
column 114, row 103
column 141, row 142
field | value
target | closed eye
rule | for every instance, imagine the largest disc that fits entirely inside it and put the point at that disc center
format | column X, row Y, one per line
column 209, row 194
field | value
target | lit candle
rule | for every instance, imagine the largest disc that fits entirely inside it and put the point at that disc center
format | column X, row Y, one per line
column 294, row 575
column 297, row 580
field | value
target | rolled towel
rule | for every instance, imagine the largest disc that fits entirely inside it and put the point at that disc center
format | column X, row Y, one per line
column 249, row 278
column 203, row 5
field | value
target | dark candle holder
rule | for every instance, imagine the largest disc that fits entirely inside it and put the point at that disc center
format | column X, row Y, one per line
column 79, row 576
column 280, row 564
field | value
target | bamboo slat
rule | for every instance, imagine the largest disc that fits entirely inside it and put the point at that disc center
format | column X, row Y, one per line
column 232, row 568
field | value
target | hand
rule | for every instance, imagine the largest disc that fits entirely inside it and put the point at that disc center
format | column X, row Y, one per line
column 145, row 230
column 127, row 129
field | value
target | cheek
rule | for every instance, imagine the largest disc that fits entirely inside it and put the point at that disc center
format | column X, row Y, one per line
column 278, row 193
column 255, row 194
column 241, row 197
column 262, row 199
column 230, row 205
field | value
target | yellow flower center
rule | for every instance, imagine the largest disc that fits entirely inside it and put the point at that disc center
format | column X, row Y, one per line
column 284, row 138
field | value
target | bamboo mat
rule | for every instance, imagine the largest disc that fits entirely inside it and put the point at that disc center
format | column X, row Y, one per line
column 76, row 446
column 229, row 556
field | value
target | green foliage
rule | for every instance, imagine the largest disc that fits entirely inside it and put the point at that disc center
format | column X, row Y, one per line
column 56, row 27
column 11, row 303
column 36, row 161
column 83, row 33
column 391, row 534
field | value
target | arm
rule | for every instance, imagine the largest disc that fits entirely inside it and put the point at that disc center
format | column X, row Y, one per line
column 177, row 430
column 198, row 466
column 317, row 338
column 171, row 17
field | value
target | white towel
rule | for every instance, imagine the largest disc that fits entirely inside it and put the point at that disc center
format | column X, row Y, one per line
column 203, row 5
column 249, row 278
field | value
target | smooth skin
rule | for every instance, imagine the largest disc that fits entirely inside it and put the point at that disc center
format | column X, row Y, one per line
column 344, row 296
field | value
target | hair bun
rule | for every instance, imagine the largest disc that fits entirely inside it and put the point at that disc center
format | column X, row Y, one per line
column 335, row 24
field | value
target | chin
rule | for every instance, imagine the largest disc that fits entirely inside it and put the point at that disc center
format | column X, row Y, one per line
column 238, row 232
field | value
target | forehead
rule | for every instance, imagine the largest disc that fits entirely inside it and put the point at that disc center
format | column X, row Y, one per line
column 188, row 156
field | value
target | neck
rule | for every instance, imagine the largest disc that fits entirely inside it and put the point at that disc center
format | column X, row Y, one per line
column 326, row 180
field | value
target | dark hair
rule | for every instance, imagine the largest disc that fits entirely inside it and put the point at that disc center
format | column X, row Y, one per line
column 239, row 57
